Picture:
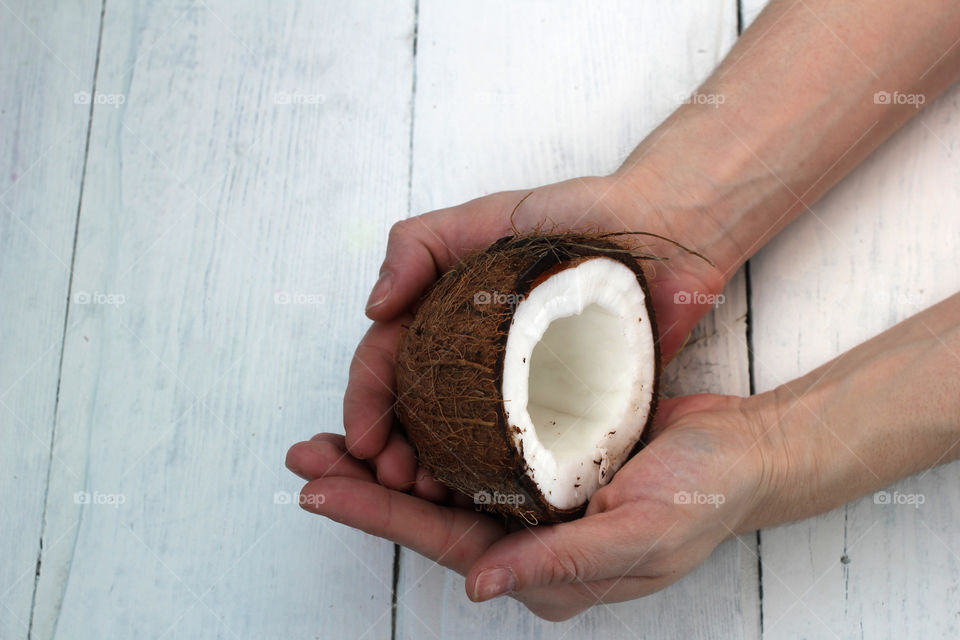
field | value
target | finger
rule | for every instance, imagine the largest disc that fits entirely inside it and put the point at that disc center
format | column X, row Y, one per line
column 593, row 548
column 428, row 488
column 421, row 248
column 451, row 537
column 418, row 251
column 324, row 455
column 396, row 464
column 368, row 401
column 624, row 588
column 675, row 322
column 561, row 602
column 461, row 500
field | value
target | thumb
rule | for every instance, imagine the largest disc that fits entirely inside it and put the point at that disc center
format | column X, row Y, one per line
column 591, row 548
column 417, row 253
column 420, row 249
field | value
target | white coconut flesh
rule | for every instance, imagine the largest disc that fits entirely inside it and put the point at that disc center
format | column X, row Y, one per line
column 578, row 377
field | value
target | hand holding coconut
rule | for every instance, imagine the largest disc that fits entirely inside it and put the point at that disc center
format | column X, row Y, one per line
column 722, row 181
column 716, row 466
column 638, row 526
column 422, row 248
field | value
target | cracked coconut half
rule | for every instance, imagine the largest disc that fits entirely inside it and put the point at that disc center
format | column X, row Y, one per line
column 529, row 374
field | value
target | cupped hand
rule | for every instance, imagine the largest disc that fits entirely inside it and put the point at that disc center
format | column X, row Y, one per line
column 698, row 482
column 421, row 248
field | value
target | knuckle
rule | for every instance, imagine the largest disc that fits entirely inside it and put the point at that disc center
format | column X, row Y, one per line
column 604, row 499
column 569, row 565
column 399, row 229
column 328, row 451
column 367, row 358
column 334, row 438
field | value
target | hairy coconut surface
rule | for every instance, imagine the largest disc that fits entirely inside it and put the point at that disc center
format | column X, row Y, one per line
column 450, row 372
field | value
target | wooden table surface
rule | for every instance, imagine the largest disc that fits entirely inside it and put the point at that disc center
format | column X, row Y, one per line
column 194, row 202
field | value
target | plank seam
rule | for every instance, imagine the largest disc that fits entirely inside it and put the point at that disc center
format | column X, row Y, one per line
column 413, row 105
column 753, row 390
column 66, row 317
column 396, row 586
column 750, row 371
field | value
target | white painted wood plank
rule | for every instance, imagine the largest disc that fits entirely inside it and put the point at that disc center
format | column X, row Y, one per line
column 47, row 54
column 885, row 249
column 221, row 212
column 511, row 95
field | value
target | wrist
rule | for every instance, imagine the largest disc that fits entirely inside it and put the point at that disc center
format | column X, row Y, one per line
column 708, row 186
column 878, row 413
column 789, row 452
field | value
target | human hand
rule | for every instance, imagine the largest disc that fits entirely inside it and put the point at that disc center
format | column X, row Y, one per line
column 422, row 248
column 716, row 466
column 763, row 170
column 660, row 517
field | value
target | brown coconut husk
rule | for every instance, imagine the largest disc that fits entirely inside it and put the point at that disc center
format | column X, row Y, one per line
column 450, row 360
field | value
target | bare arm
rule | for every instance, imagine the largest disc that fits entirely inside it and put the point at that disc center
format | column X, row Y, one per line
column 877, row 413
column 723, row 175
column 811, row 89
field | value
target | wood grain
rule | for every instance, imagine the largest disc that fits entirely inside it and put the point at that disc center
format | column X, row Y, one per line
column 226, row 271
column 48, row 55
column 209, row 323
column 881, row 247
column 511, row 95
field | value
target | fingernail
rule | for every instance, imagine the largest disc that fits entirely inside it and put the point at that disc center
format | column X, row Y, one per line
column 380, row 290
column 494, row 582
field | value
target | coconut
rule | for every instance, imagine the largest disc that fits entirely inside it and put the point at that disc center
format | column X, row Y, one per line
column 530, row 372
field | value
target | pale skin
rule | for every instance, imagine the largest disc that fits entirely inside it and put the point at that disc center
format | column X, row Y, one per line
column 798, row 114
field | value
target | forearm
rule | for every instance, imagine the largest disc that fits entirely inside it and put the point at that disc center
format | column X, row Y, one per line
column 882, row 411
column 789, row 112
